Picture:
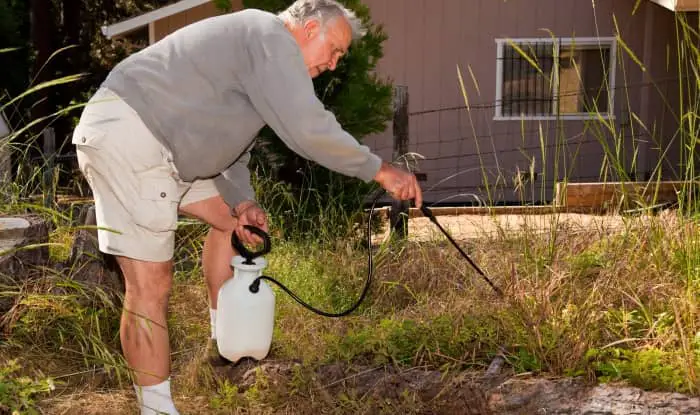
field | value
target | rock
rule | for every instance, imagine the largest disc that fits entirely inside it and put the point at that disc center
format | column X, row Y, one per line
column 18, row 235
column 574, row 397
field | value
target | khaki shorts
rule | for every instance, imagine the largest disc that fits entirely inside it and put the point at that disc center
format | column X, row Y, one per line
column 136, row 188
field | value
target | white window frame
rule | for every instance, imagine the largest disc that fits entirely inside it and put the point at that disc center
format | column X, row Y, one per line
column 560, row 42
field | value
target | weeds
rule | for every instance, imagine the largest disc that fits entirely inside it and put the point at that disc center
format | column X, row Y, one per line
column 18, row 393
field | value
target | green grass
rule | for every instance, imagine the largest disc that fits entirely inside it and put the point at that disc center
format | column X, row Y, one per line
column 19, row 393
column 552, row 318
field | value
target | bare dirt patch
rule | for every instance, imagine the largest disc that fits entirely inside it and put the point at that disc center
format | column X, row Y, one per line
column 432, row 392
column 341, row 388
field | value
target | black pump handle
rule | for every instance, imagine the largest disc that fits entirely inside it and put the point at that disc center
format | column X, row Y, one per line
column 243, row 251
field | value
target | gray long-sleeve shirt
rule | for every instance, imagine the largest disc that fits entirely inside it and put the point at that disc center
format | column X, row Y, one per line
column 207, row 89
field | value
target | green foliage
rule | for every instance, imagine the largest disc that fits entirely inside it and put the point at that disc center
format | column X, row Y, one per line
column 62, row 314
column 71, row 43
column 648, row 368
column 261, row 394
column 525, row 361
column 595, row 257
column 223, row 5
column 14, row 28
column 296, row 212
column 439, row 340
column 17, row 392
column 362, row 104
column 308, row 268
column 227, row 396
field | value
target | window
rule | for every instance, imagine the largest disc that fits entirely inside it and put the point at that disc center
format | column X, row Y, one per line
column 555, row 78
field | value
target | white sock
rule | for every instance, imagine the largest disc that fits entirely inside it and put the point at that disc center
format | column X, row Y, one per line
column 212, row 320
column 156, row 399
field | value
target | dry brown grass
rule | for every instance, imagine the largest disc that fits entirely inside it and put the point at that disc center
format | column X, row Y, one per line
column 579, row 300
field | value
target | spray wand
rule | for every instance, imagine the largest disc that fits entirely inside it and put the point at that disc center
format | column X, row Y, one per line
column 255, row 285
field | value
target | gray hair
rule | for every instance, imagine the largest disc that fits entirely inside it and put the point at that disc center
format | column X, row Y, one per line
column 324, row 10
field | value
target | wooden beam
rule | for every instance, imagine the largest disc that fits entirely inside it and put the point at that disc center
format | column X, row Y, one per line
column 615, row 195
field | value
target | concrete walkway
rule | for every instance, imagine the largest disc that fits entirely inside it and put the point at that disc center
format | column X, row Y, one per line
column 476, row 226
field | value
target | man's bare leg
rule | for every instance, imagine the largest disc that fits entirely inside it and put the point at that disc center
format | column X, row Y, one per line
column 216, row 260
column 144, row 330
column 217, row 251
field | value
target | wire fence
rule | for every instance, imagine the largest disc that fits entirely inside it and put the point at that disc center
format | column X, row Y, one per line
column 467, row 153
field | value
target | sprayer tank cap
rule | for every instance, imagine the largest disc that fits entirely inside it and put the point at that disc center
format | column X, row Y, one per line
column 239, row 262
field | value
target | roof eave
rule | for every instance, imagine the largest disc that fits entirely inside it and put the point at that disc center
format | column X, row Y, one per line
column 134, row 23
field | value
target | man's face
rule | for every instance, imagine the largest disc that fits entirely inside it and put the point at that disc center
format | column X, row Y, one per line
column 321, row 50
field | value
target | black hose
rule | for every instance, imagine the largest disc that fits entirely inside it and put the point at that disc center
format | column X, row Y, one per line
column 256, row 283
column 426, row 211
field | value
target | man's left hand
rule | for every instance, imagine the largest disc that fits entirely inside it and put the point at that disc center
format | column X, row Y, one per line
column 250, row 213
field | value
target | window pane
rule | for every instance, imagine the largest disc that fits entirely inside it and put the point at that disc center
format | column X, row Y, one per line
column 527, row 81
column 583, row 86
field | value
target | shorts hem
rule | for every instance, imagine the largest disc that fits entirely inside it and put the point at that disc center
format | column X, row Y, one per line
column 137, row 254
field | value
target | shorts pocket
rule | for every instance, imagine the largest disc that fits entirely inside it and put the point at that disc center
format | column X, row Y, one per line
column 88, row 136
column 157, row 205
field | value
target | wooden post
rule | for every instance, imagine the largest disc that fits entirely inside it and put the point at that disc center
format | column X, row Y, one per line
column 49, row 147
column 398, row 217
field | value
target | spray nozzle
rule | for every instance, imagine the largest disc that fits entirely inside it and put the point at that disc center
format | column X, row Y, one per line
column 427, row 212
column 244, row 252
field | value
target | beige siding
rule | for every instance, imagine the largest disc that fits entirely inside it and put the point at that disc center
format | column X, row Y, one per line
column 431, row 39
column 661, row 118
column 164, row 27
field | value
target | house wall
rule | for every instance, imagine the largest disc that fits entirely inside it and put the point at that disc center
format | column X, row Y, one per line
column 163, row 27
column 660, row 94
column 429, row 41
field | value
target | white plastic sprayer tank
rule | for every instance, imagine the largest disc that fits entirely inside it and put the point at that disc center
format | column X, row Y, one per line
column 245, row 319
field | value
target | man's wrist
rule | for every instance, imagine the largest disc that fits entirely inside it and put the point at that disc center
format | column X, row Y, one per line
column 242, row 207
column 379, row 177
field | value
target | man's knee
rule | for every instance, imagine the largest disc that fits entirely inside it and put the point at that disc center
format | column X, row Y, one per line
column 148, row 282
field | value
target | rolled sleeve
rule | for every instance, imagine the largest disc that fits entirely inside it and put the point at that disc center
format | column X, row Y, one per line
column 234, row 182
column 281, row 90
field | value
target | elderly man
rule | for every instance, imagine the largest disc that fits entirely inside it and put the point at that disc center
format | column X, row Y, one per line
column 169, row 132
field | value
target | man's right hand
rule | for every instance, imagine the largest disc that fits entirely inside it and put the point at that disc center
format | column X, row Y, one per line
column 400, row 184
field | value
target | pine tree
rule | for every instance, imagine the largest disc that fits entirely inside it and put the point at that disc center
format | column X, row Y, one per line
column 362, row 104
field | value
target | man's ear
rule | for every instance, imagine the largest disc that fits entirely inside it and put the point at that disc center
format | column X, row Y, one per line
column 311, row 28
